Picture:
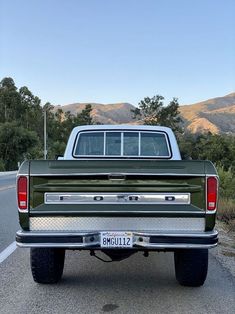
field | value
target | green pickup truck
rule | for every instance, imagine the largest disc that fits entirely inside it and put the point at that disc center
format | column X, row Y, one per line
column 118, row 190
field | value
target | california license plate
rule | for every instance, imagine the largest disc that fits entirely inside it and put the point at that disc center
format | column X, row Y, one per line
column 116, row 239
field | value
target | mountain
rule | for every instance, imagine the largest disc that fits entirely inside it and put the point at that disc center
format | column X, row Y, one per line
column 106, row 114
column 216, row 115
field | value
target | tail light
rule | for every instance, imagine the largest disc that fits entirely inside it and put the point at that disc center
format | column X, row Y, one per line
column 22, row 193
column 212, row 191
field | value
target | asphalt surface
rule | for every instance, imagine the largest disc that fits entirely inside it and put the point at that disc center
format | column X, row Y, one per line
column 7, row 179
column 8, row 210
column 135, row 285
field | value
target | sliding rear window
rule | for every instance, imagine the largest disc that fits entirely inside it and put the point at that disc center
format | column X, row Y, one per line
column 122, row 144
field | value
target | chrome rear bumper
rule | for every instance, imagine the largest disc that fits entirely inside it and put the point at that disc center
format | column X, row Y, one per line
column 141, row 240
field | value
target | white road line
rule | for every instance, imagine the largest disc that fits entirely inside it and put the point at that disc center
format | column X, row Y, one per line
column 7, row 252
column 7, row 187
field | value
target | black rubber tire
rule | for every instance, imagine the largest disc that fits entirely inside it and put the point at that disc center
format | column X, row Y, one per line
column 191, row 266
column 47, row 264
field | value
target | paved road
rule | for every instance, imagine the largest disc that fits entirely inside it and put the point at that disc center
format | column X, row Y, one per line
column 8, row 211
column 136, row 285
column 7, row 180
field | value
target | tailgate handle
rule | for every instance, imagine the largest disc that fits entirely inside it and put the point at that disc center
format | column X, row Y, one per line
column 169, row 198
column 117, row 176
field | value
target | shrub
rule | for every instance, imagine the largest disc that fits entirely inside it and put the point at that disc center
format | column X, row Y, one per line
column 226, row 212
column 227, row 183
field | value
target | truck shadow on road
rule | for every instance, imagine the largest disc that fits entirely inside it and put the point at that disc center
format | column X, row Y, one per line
column 157, row 270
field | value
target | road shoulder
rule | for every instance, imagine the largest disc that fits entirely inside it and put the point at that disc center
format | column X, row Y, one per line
column 225, row 251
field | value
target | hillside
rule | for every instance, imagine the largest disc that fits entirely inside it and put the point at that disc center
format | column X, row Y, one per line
column 216, row 115
column 106, row 114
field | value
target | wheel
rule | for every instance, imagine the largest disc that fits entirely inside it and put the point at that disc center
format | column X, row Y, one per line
column 47, row 264
column 191, row 266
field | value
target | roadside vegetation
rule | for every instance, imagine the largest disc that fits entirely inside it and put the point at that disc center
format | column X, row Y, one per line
column 219, row 148
column 21, row 135
column 22, row 121
column 226, row 210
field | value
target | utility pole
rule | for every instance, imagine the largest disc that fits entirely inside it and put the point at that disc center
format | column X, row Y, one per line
column 45, row 133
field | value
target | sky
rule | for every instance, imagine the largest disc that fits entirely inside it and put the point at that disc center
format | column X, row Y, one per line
column 109, row 51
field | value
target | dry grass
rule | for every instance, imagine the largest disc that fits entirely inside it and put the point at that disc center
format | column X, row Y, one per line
column 226, row 212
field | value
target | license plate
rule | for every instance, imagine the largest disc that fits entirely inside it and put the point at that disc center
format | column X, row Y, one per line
column 116, row 239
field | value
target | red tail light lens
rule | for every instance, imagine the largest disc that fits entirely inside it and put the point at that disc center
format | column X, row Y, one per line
column 22, row 193
column 212, row 190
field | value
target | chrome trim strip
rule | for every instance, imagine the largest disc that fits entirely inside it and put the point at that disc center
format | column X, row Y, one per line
column 199, row 213
column 177, row 246
column 166, row 233
column 117, row 198
column 211, row 212
column 108, row 173
column 89, row 246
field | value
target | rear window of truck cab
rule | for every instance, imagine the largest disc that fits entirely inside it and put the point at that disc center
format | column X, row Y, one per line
column 122, row 144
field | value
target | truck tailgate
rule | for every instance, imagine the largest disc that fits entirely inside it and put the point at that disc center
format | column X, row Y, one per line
column 162, row 204
column 82, row 193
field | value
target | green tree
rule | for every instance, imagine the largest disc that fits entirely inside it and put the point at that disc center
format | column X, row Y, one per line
column 32, row 112
column 151, row 111
column 227, row 183
column 219, row 148
column 10, row 102
column 186, row 144
column 60, row 125
column 15, row 143
column 21, row 125
column 84, row 118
